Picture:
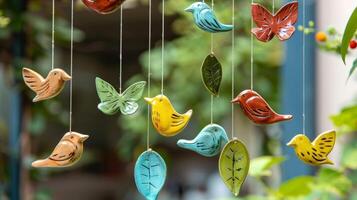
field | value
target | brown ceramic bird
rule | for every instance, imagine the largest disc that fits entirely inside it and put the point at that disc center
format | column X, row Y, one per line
column 103, row 6
column 257, row 109
column 67, row 152
column 45, row 88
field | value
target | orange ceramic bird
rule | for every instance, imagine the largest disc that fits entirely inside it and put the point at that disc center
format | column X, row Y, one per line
column 45, row 88
column 257, row 109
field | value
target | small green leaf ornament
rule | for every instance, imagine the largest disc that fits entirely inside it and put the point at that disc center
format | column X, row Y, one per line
column 350, row 31
column 212, row 74
column 112, row 101
column 234, row 165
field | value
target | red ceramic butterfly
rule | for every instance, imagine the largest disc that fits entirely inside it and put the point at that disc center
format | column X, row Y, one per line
column 103, row 6
column 281, row 24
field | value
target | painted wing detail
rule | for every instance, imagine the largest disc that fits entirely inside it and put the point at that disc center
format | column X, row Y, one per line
column 258, row 107
column 150, row 174
column 109, row 97
column 325, row 142
column 209, row 21
column 286, row 17
column 34, row 80
column 263, row 19
column 64, row 151
column 130, row 96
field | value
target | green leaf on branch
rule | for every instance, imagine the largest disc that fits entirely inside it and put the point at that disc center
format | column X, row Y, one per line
column 261, row 166
column 354, row 65
column 296, row 187
column 346, row 120
column 350, row 30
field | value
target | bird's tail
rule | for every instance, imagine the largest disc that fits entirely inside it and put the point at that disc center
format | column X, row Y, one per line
column 226, row 27
column 188, row 114
column 186, row 144
column 44, row 163
column 329, row 162
column 284, row 117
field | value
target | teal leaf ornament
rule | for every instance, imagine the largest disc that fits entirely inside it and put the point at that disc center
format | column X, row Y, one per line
column 353, row 68
column 150, row 174
column 234, row 165
column 350, row 31
column 209, row 142
column 212, row 74
column 112, row 101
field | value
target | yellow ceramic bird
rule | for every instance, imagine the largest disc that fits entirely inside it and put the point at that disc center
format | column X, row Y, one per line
column 314, row 153
column 164, row 117
column 67, row 152
column 45, row 88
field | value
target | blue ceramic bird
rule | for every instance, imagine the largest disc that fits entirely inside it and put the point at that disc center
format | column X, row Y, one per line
column 208, row 142
column 205, row 18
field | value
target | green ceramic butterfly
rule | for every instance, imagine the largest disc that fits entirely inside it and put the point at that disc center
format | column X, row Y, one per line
column 112, row 101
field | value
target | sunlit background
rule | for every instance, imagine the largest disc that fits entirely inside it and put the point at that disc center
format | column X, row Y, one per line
column 29, row 131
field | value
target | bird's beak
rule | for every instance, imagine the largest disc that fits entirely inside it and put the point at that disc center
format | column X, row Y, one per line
column 83, row 137
column 291, row 144
column 235, row 100
column 66, row 77
column 189, row 9
column 149, row 100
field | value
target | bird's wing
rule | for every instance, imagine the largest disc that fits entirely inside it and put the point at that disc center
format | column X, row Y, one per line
column 325, row 142
column 209, row 20
column 285, row 18
column 263, row 19
column 34, row 80
column 109, row 97
column 177, row 119
column 258, row 107
column 65, row 150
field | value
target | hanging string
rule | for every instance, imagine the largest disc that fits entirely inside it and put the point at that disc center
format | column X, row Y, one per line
column 303, row 68
column 251, row 54
column 121, row 50
column 149, row 80
column 233, row 50
column 71, row 66
column 212, row 52
column 53, row 35
column 162, row 46
column 273, row 11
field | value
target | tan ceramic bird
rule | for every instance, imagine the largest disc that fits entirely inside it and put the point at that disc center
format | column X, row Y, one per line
column 45, row 88
column 67, row 152
column 314, row 153
column 257, row 109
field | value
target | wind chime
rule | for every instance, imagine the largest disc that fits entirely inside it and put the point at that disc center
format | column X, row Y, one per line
column 70, row 148
column 316, row 152
column 150, row 168
column 166, row 120
column 281, row 24
column 212, row 138
column 113, row 101
column 234, row 158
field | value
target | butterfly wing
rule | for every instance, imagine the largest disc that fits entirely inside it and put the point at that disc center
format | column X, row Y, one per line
column 109, row 97
column 285, row 19
column 325, row 142
column 263, row 19
column 130, row 96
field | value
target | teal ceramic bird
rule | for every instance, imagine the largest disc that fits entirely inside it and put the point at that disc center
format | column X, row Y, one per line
column 205, row 18
column 208, row 142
